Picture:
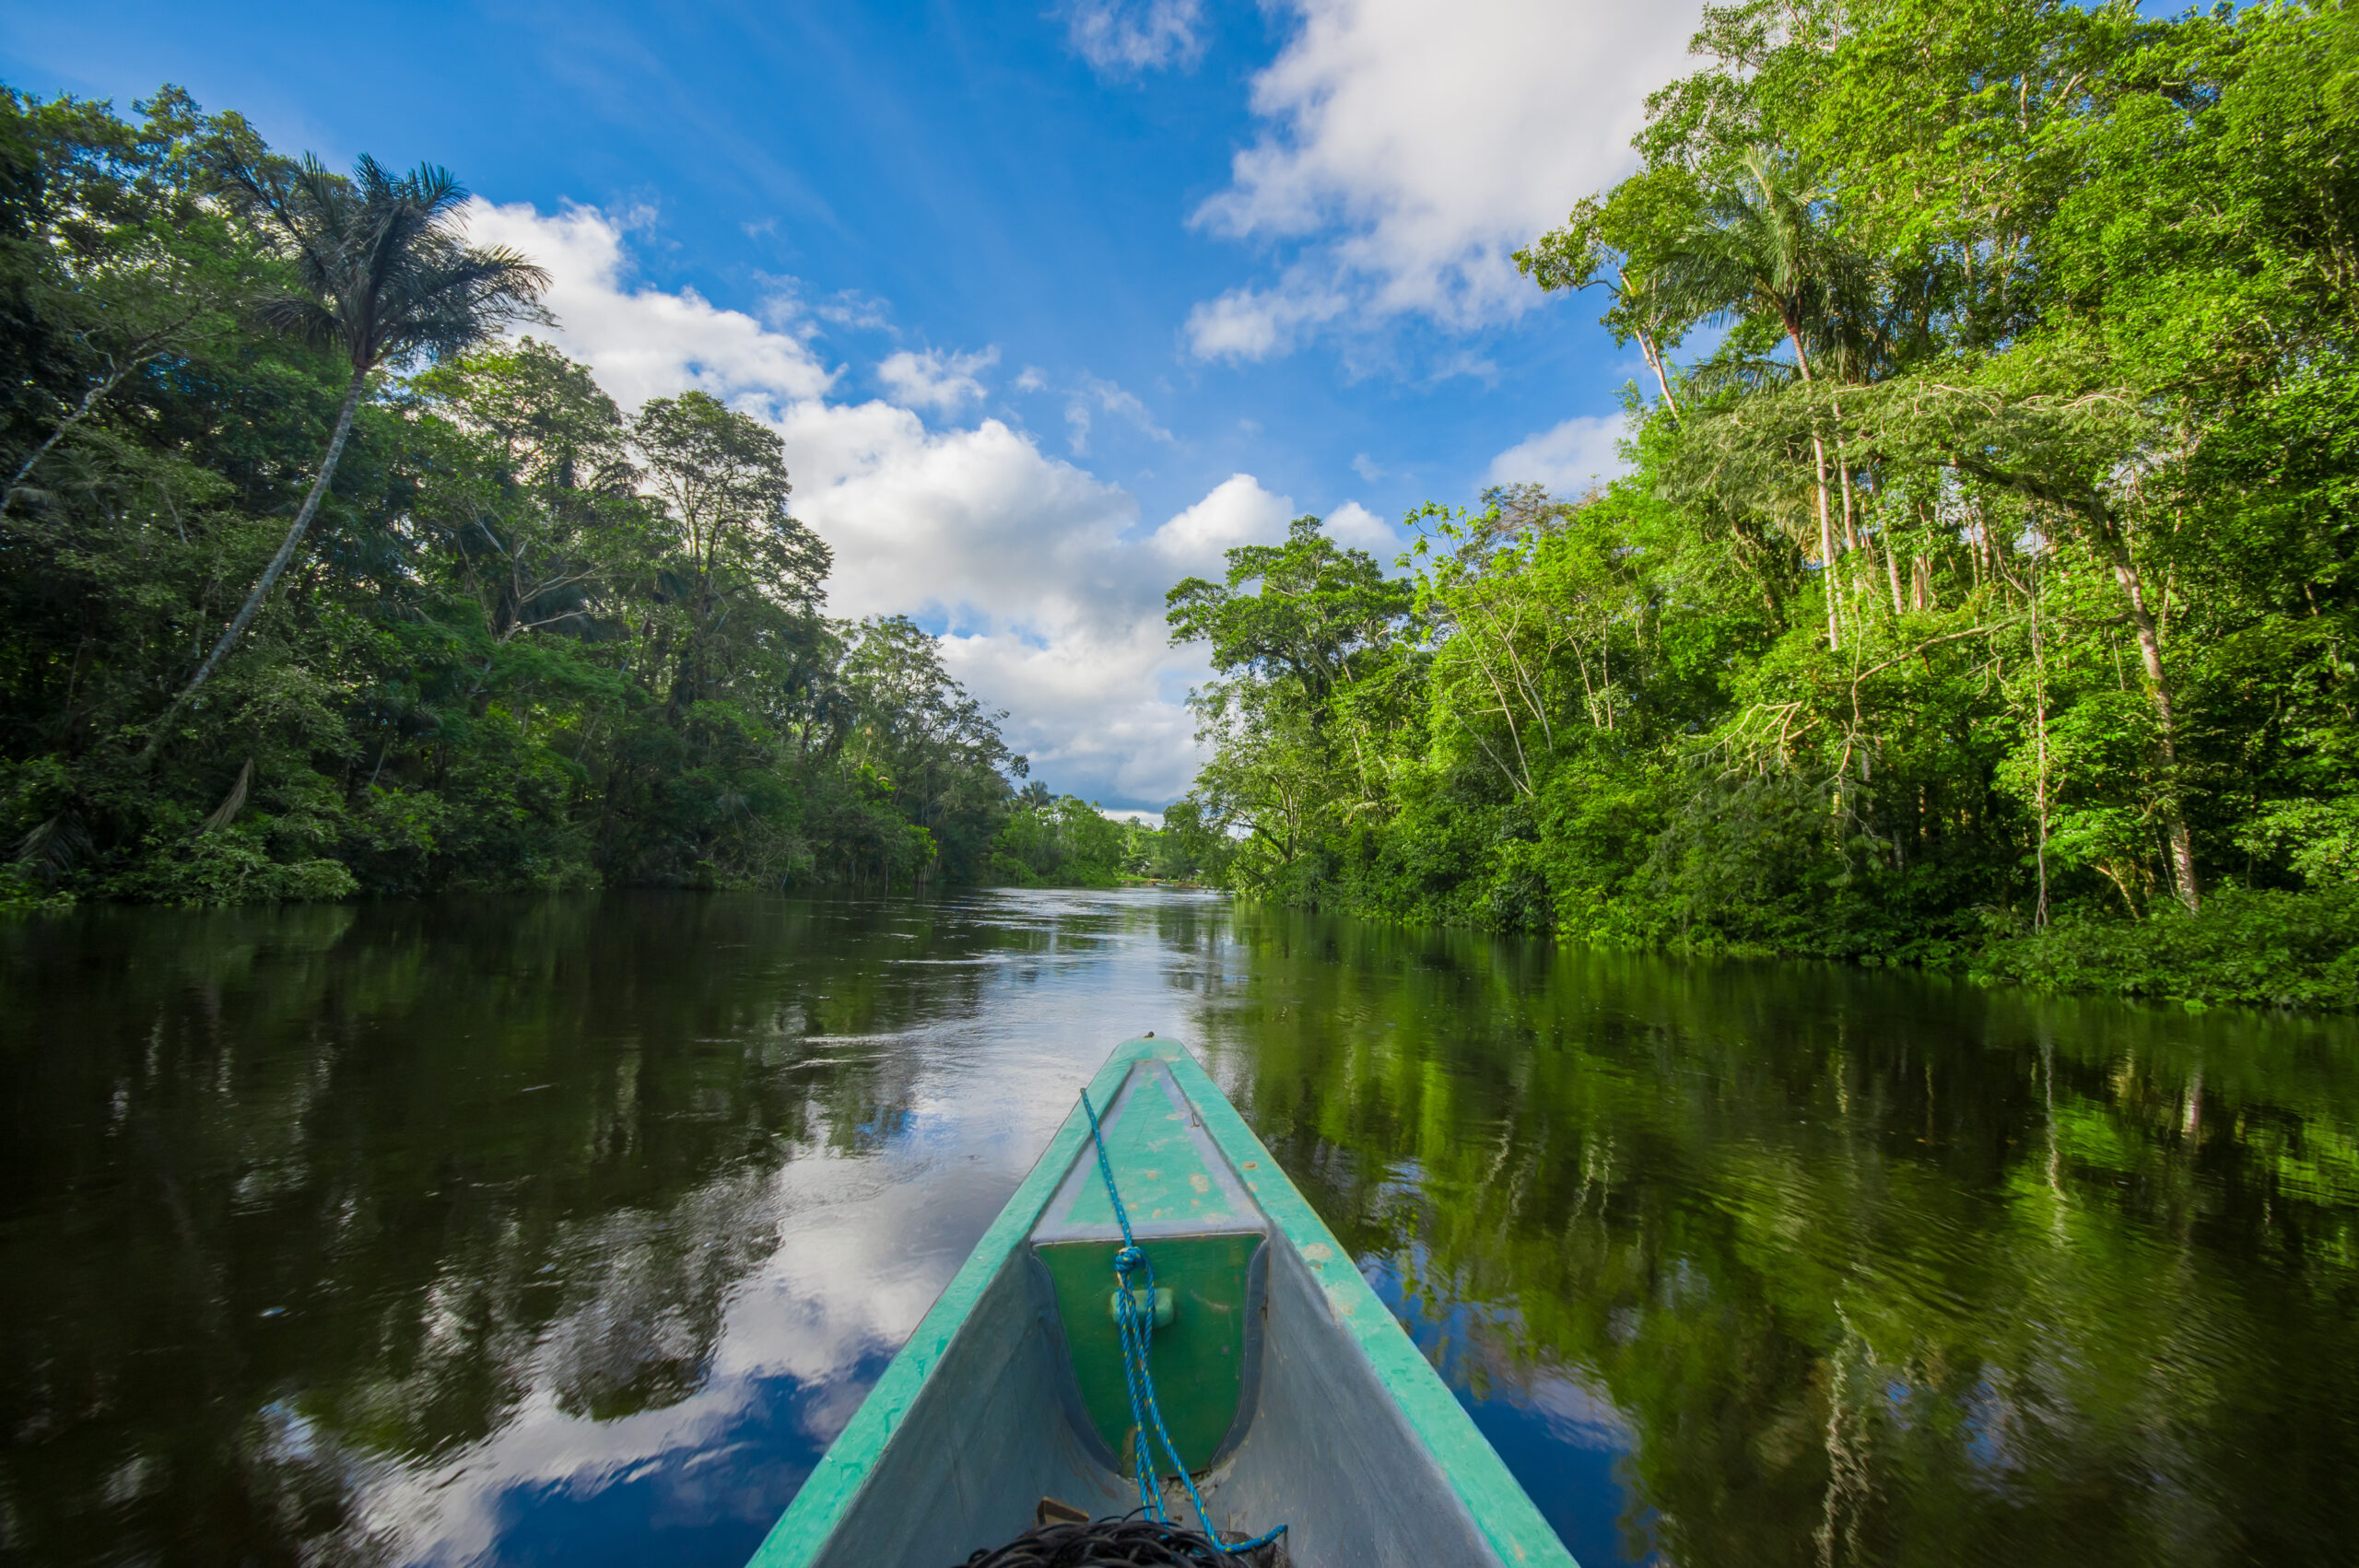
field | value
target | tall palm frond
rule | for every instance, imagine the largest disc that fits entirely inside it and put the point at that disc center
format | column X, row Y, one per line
column 387, row 278
column 1759, row 246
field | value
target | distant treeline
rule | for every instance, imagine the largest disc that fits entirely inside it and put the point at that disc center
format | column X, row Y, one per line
column 1071, row 843
column 318, row 581
column 1983, row 591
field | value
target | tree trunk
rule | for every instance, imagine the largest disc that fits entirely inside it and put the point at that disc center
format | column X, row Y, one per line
column 2158, row 691
column 1826, row 523
column 1654, row 363
column 2039, row 696
column 1826, row 551
column 134, row 355
column 270, row 574
column 81, row 411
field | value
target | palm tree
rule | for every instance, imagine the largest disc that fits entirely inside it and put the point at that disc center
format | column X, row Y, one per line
column 1756, row 246
column 386, row 280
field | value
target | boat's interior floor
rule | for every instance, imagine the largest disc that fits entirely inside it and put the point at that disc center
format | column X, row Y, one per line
column 1270, row 1385
column 1205, row 1240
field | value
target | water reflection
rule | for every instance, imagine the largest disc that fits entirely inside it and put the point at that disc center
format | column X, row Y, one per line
column 513, row 1231
column 1866, row 1269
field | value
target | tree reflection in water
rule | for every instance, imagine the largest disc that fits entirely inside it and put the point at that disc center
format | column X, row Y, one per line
column 1850, row 1269
column 518, row 1231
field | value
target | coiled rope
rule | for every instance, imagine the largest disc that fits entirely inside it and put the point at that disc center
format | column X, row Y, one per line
column 1107, row 1543
column 1138, row 1333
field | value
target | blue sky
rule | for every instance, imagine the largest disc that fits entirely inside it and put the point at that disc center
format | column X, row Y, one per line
column 1051, row 302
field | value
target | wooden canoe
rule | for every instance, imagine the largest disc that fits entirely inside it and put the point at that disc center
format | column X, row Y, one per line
column 1287, row 1387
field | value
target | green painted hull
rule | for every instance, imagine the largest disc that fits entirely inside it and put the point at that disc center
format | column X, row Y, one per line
column 1292, row 1393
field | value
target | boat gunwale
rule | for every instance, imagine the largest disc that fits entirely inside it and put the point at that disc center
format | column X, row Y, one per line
column 1500, row 1508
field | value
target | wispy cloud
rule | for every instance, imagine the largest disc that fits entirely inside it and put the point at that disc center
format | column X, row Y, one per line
column 1093, row 395
column 853, row 309
column 1125, row 38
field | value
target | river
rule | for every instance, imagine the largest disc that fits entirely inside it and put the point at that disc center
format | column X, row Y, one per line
column 570, row 1231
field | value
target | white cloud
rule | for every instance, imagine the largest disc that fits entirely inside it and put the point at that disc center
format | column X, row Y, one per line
column 936, row 380
column 1101, row 712
column 1237, row 512
column 1054, row 599
column 1355, row 527
column 1030, row 381
column 1252, row 323
column 1567, row 458
column 1410, row 146
column 1125, row 37
column 646, row 342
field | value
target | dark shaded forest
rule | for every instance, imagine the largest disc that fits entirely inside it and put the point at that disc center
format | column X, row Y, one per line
column 1981, row 591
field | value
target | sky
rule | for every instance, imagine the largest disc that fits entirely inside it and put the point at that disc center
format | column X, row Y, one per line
column 1052, row 303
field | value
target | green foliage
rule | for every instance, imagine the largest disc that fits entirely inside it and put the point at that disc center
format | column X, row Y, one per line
column 1071, row 843
column 1993, row 565
column 530, row 642
column 2267, row 948
column 234, row 866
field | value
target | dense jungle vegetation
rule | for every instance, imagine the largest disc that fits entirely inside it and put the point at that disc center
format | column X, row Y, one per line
column 1982, row 590
column 317, row 578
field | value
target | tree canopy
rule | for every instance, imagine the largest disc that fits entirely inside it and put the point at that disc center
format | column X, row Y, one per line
column 1981, row 588
column 317, row 580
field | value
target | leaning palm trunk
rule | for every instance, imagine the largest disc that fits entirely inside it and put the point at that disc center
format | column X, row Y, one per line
column 387, row 281
column 271, row 573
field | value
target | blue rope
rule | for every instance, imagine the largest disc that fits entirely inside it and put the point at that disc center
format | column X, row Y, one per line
column 1138, row 1334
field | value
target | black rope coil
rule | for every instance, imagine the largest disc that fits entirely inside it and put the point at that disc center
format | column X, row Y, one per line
column 1116, row 1543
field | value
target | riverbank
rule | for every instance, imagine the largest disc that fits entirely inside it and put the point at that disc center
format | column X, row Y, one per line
column 2267, row 949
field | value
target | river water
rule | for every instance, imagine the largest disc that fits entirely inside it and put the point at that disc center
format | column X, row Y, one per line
column 572, row 1231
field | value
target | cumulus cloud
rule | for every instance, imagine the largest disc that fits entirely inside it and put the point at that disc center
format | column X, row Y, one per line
column 1254, row 324
column 1237, row 512
column 1102, row 711
column 1240, row 512
column 647, row 342
column 1052, row 596
column 1408, row 147
column 936, row 380
column 1567, row 458
column 1121, row 38
column 1355, row 527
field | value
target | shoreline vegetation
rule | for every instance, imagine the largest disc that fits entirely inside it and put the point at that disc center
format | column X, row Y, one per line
column 1978, row 595
column 1980, row 592
column 319, row 581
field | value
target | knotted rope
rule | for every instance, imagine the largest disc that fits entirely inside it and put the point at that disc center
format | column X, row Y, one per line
column 1137, row 1322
